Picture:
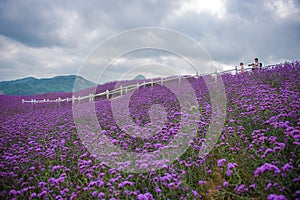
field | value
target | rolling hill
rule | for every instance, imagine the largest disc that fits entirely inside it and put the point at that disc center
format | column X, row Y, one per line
column 32, row 86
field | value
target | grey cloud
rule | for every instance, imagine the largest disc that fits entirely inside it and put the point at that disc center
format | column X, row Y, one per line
column 249, row 29
column 43, row 38
column 43, row 23
column 29, row 23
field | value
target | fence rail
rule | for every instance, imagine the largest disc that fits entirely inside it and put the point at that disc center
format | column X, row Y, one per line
column 125, row 89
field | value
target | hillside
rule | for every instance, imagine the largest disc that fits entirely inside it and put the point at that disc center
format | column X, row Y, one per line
column 32, row 86
column 75, row 153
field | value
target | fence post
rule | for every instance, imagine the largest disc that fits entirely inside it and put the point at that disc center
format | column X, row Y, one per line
column 23, row 101
column 137, row 85
column 144, row 84
column 73, row 99
column 126, row 90
column 107, row 94
column 151, row 82
column 179, row 78
column 121, row 90
column 216, row 77
column 161, row 81
column 235, row 70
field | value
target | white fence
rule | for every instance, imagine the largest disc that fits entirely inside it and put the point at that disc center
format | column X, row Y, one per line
column 124, row 89
column 121, row 90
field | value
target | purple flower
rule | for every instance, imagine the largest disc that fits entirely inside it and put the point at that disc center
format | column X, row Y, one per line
column 146, row 196
column 195, row 193
column 33, row 195
column 101, row 195
column 268, row 186
column 157, row 189
column 287, row 167
column 296, row 179
column 201, row 182
column 43, row 193
column 228, row 172
column 73, row 196
column 221, row 162
column 241, row 188
column 266, row 167
column 225, row 184
column 94, row 194
column 232, row 165
column 12, row 192
column 42, row 184
column 54, row 168
column 276, row 197
column 171, row 185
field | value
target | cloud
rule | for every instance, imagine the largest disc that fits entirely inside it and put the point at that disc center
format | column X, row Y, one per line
column 248, row 29
column 48, row 38
column 19, row 60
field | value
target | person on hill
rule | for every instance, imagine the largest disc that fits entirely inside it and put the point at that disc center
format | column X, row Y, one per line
column 256, row 64
column 242, row 67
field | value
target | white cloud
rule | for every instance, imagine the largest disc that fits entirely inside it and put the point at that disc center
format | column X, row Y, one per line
column 21, row 61
column 214, row 7
column 284, row 8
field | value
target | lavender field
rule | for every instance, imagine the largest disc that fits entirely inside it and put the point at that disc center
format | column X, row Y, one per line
column 256, row 156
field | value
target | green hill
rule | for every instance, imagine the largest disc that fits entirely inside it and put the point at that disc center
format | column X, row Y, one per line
column 32, row 86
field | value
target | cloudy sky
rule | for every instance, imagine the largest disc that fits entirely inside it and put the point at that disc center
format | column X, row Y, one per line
column 50, row 38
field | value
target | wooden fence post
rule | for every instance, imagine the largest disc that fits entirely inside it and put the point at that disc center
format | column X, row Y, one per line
column 107, row 94
column 121, row 90
column 216, row 73
column 179, row 78
column 161, row 81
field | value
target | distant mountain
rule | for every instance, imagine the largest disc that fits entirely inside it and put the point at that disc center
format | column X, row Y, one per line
column 32, row 86
column 139, row 77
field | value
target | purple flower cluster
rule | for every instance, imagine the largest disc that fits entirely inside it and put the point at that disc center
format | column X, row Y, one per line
column 42, row 155
column 266, row 167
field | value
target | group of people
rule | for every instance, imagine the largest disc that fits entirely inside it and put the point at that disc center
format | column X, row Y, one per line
column 254, row 65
